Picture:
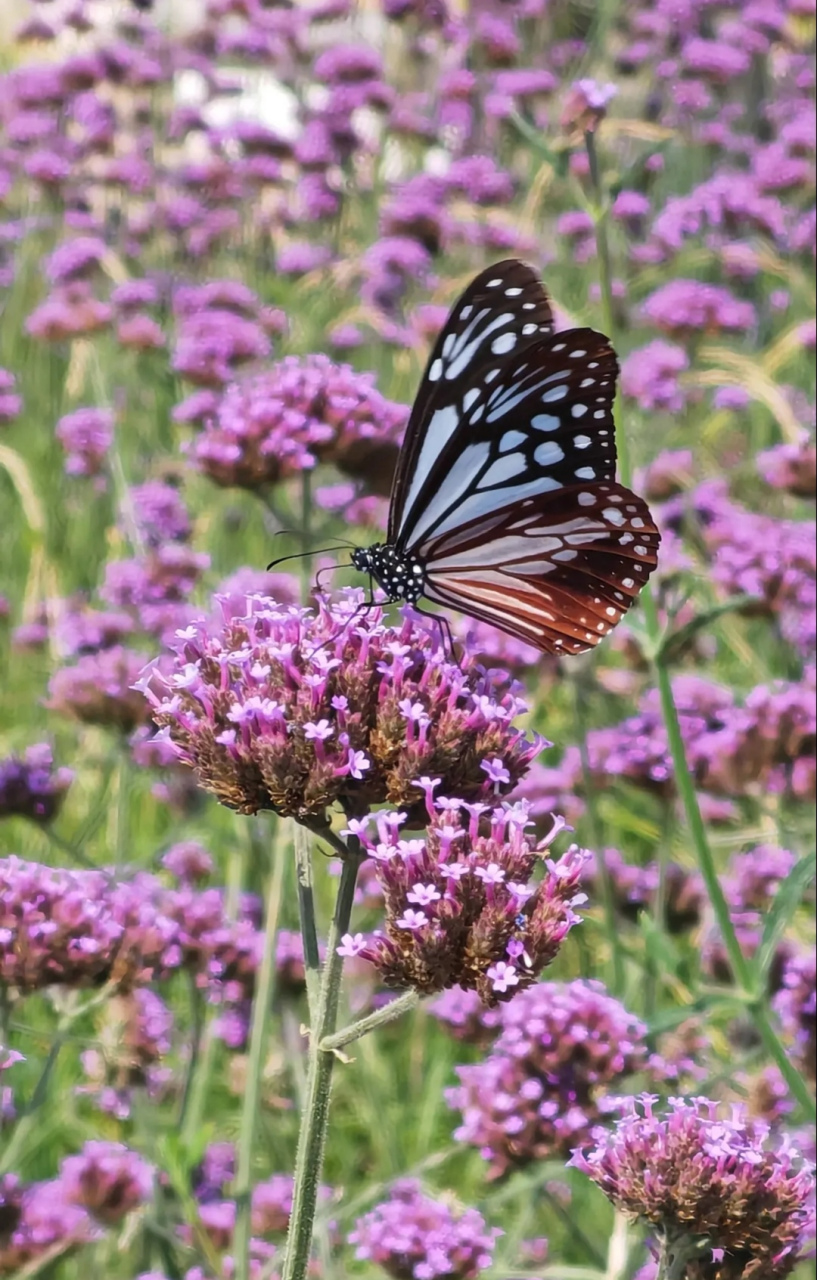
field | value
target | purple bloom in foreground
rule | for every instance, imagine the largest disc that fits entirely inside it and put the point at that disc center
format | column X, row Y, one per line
column 413, row 1237
column 30, row 786
column 461, row 906
column 705, row 1183
column 293, row 711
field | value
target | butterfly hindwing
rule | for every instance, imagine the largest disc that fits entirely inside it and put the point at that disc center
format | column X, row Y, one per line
column 559, row 572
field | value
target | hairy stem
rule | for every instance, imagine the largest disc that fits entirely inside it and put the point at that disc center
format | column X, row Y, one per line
column 380, row 1018
column 315, row 1117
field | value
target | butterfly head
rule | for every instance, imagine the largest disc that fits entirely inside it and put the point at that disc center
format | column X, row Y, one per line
column 402, row 577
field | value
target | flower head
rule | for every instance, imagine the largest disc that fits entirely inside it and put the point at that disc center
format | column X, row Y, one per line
column 461, row 906
column 31, row 787
column 289, row 710
column 703, row 1181
column 546, row 1083
column 413, row 1237
column 301, row 411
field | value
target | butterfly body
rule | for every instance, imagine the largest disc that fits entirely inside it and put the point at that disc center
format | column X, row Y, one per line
column 505, row 503
column 401, row 577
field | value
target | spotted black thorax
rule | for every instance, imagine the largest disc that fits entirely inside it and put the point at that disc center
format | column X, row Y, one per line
column 402, row 577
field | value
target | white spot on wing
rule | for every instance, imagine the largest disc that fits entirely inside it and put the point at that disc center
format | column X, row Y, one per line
column 503, row 344
column 582, row 442
column 436, row 371
column 545, row 422
column 470, row 397
column 587, row 499
column 555, row 393
column 613, row 516
column 585, row 473
column 511, row 440
column 548, row 453
column 567, row 555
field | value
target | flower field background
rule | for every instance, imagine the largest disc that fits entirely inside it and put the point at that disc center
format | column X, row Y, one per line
column 229, row 235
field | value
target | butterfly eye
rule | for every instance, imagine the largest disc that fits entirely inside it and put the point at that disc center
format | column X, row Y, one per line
column 505, row 504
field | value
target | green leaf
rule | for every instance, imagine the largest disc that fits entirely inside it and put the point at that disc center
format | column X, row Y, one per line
column 786, row 901
column 673, row 645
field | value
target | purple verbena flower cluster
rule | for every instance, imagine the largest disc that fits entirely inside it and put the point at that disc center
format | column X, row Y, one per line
column 291, row 710
column 563, row 1051
column 705, row 1181
column 461, row 906
column 414, row 1237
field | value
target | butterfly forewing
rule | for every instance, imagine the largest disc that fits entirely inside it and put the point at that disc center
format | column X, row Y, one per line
column 541, row 420
column 502, row 312
column 559, row 571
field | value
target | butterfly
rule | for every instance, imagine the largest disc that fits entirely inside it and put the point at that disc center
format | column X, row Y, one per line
column 505, row 504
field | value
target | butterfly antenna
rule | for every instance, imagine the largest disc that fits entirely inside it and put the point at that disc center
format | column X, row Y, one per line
column 299, row 555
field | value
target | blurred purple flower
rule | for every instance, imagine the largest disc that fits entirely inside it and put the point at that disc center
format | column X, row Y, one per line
column 686, row 307
column 30, row 786
column 98, row 689
column 650, row 376
column 107, row 1179
column 301, row 411
column 796, row 1006
column 10, row 402
column 791, row 467
column 86, row 435
column 563, row 1048
column 412, row 1235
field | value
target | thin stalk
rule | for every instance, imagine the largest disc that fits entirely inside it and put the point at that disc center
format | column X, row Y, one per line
column 380, row 1018
column 608, row 896
column 196, row 1040
column 306, row 914
column 198, row 1084
column 683, row 778
column 123, row 795
column 315, row 1117
column 660, row 905
column 255, row 1065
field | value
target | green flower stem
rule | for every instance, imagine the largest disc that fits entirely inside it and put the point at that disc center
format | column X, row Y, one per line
column 380, row 1018
column 315, row 1117
column 684, row 782
column 255, row 1063
column 306, row 911
column 612, row 930
column 123, row 798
